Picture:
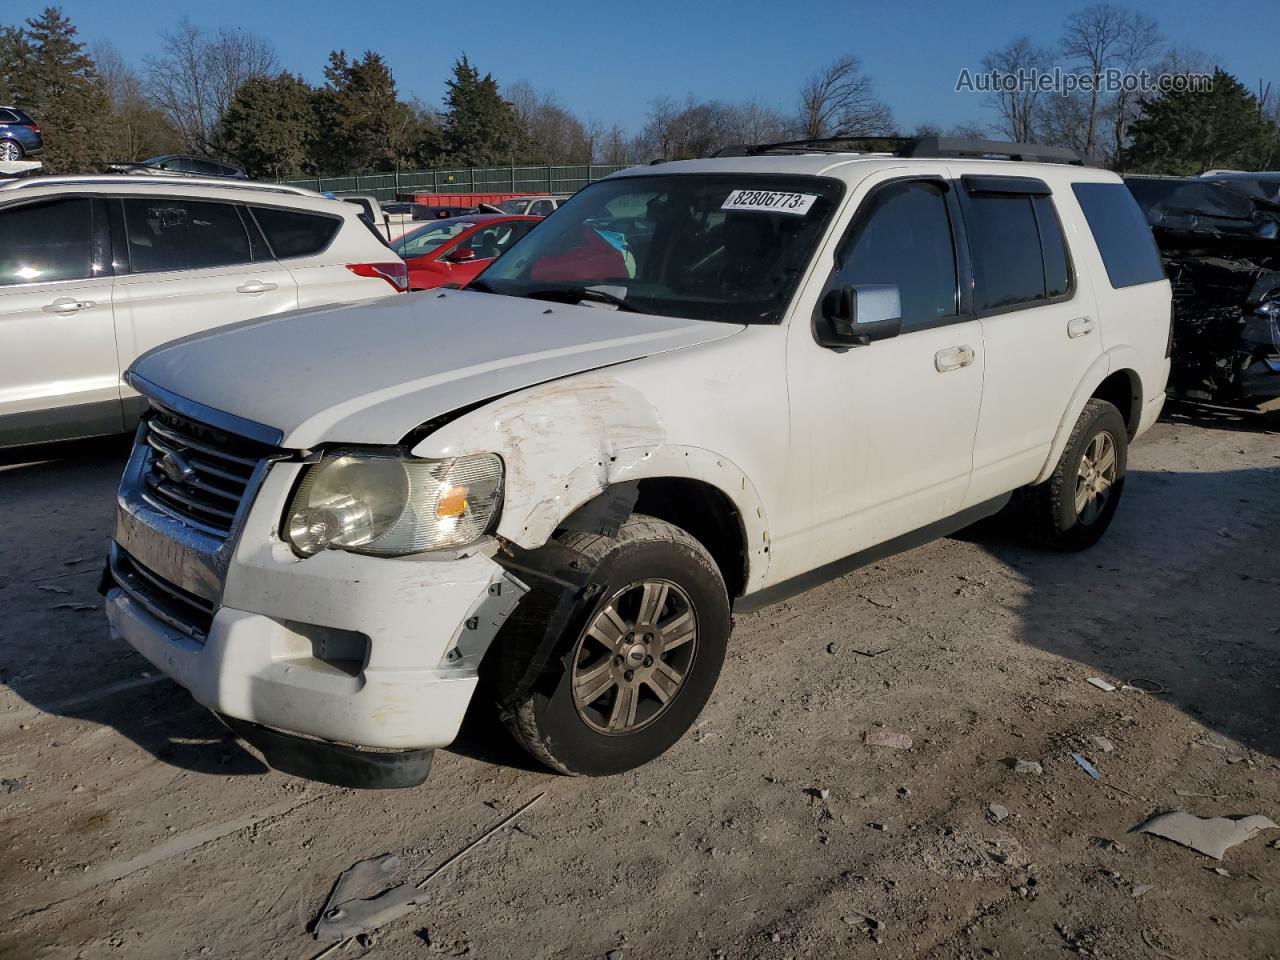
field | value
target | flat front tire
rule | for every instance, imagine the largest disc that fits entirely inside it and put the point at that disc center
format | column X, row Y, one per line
column 1074, row 507
column 632, row 676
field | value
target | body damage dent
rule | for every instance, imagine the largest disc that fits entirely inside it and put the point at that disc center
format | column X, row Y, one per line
column 614, row 434
column 594, row 420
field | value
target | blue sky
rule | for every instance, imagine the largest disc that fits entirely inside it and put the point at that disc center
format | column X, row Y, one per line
column 609, row 60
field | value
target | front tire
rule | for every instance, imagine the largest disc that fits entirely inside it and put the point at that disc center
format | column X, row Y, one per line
column 1074, row 507
column 625, row 686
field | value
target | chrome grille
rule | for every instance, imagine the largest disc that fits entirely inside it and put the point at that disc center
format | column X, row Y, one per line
column 165, row 601
column 197, row 473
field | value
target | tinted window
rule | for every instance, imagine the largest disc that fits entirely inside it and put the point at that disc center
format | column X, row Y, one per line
column 904, row 238
column 295, row 234
column 1057, row 265
column 541, row 208
column 46, row 241
column 177, row 234
column 7, row 117
column 1006, row 243
column 1121, row 231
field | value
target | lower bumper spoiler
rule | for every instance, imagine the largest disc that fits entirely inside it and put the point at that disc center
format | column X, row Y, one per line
column 333, row 763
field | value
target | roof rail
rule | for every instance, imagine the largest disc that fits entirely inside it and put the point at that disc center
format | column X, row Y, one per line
column 162, row 181
column 918, row 147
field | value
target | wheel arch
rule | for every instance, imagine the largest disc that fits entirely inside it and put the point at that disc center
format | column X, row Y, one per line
column 1112, row 377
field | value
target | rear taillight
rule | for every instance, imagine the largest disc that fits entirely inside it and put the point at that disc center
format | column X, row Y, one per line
column 33, row 127
column 396, row 274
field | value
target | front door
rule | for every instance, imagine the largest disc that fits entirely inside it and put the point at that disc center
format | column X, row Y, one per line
column 58, row 375
column 882, row 435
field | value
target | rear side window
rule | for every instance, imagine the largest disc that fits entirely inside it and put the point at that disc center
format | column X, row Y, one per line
column 292, row 233
column 1122, row 233
column 1020, row 255
column 47, row 241
column 180, row 234
column 8, row 117
column 904, row 238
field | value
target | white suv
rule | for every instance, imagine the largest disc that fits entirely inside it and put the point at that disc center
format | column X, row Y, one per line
column 700, row 387
column 94, row 271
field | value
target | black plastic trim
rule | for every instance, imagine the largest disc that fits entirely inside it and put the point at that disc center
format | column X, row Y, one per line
column 202, row 414
column 1026, row 186
column 838, row 568
column 333, row 763
column 101, row 418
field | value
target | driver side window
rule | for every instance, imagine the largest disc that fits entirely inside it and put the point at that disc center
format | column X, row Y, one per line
column 902, row 235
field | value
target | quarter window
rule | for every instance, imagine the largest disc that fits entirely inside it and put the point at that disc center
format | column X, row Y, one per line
column 46, row 241
column 178, row 234
column 904, row 238
column 292, row 233
column 1122, row 233
column 1057, row 265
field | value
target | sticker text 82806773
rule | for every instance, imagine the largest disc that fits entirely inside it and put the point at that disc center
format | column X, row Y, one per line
column 770, row 201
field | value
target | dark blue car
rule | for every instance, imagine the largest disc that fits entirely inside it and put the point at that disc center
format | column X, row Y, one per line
column 19, row 135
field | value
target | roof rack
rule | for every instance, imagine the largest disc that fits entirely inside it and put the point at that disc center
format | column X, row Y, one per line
column 81, row 179
column 918, row 147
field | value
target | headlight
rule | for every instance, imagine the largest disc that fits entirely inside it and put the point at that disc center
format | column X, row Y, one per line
column 390, row 506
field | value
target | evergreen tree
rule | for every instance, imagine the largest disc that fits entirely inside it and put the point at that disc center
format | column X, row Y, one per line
column 67, row 98
column 270, row 125
column 355, row 114
column 480, row 127
column 1187, row 133
column 15, row 67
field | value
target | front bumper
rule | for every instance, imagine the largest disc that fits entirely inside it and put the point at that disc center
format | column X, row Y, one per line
column 338, row 650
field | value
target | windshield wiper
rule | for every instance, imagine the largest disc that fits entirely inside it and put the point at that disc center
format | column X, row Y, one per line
column 578, row 294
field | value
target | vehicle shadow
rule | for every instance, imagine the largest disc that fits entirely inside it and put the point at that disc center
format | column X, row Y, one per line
column 1217, row 417
column 56, row 653
column 1177, row 593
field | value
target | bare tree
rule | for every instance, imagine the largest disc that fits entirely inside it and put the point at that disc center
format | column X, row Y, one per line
column 139, row 129
column 756, row 122
column 1140, row 41
column 196, row 74
column 838, row 101
column 552, row 133
column 1017, row 106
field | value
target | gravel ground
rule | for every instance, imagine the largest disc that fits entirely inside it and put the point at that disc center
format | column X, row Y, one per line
column 132, row 826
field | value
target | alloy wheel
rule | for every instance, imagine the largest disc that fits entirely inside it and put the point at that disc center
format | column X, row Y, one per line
column 632, row 660
column 1096, row 477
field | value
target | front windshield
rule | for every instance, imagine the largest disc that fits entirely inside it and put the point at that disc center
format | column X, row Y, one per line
column 419, row 242
column 512, row 206
column 729, row 247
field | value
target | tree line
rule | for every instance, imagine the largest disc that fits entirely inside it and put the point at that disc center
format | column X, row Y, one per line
column 223, row 94
column 1181, row 132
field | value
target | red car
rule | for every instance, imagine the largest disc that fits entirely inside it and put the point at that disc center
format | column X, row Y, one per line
column 456, row 249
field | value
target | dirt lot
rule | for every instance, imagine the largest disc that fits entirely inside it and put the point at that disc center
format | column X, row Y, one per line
column 131, row 826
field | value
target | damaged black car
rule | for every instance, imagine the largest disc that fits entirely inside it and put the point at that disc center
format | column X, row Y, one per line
column 1219, row 237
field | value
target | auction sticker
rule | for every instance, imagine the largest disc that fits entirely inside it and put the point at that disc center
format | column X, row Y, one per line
column 769, row 200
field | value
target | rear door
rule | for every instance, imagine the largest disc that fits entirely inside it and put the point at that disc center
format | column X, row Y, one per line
column 58, row 374
column 193, row 264
column 1039, row 326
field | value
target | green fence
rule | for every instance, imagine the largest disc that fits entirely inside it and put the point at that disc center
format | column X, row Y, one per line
column 539, row 179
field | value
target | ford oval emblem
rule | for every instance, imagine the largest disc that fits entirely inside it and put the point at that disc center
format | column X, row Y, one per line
column 175, row 468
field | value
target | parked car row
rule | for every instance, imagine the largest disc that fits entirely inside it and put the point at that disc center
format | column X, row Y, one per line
column 696, row 389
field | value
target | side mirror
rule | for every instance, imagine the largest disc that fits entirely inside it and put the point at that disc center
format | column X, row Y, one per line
column 462, row 255
column 858, row 315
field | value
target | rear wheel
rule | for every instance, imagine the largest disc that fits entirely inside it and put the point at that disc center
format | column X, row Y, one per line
column 10, row 150
column 1073, row 508
column 628, row 683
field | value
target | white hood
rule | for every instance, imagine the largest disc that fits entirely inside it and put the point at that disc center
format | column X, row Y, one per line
column 371, row 372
